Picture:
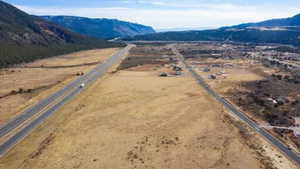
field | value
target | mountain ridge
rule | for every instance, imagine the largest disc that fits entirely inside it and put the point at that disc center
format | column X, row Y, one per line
column 102, row 28
column 285, row 22
column 286, row 31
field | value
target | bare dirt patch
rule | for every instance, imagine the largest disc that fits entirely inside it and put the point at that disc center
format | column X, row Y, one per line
column 148, row 57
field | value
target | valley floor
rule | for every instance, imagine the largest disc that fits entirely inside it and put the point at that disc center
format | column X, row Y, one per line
column 133, row 118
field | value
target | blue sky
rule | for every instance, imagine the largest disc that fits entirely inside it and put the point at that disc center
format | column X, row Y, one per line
column 167, row 13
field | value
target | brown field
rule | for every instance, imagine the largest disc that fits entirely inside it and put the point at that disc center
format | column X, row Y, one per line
column 135, row 119
column 24, row 85
column 240, row 71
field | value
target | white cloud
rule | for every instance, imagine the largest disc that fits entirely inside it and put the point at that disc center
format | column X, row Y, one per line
column 199, row 16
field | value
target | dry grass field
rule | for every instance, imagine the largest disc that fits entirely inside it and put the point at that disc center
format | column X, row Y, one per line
column 238, row 71
column 137, row 120
column 24, row 85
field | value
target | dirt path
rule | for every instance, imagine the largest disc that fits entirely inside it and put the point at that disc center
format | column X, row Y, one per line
column 136, row 120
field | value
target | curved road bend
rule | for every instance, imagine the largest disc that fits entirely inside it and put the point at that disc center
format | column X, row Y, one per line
column 48, row 106
column 273, row 140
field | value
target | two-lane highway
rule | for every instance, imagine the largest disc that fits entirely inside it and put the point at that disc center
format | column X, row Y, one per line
column 11, row 133
column 243, row 117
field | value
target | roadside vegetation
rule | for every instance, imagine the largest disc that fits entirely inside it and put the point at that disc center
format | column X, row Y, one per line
column 246, row 35
column 11, row 54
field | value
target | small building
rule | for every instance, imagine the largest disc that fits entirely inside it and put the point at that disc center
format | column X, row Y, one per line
column 206, row 69
column 297, row 132
column 270, row 102
column 216, row 65
column 178, row 73
column 177, row 68
column 163, row 74
column 213, row 77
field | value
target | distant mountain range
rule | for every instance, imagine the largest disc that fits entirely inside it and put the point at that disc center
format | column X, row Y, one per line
column 284, row 31
column 284, row 22
column 183, row 29
column 24, row 37
column 100, row 28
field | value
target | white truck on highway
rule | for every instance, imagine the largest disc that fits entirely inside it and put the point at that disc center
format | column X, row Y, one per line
column 82, row 85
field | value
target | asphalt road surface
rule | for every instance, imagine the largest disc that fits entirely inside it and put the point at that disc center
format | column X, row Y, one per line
column 273, row 140
column 35, row 115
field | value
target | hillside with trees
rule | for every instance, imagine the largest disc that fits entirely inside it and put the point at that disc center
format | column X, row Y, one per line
column 100, row 28
column 24, row 38
column 282, row 31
